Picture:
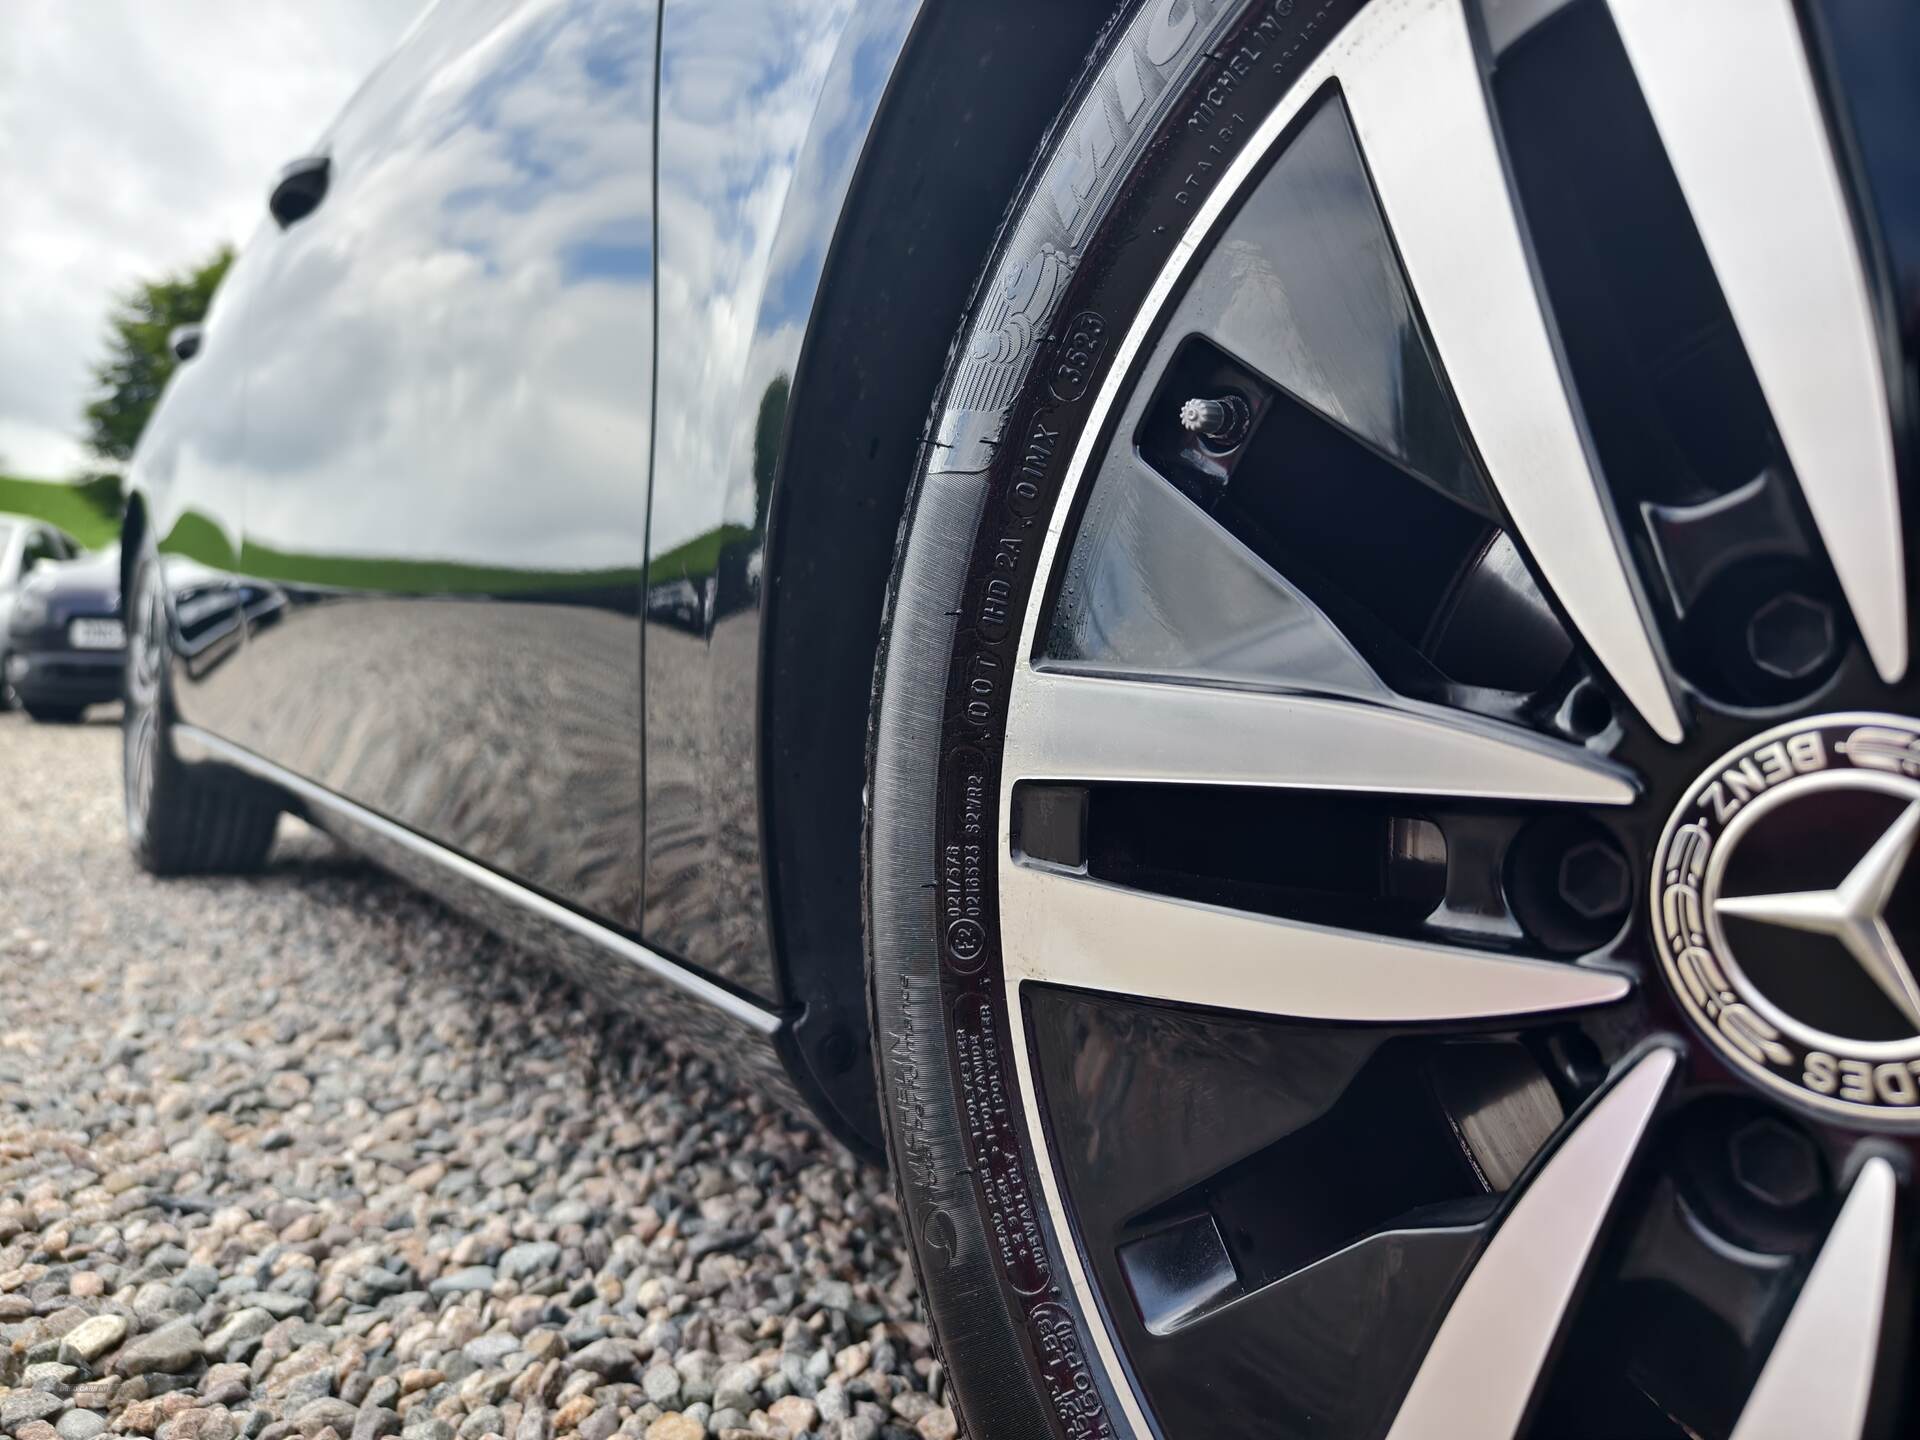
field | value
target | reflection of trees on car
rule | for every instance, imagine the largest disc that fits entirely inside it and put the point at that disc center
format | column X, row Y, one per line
column 686, row 587
column 139, row 361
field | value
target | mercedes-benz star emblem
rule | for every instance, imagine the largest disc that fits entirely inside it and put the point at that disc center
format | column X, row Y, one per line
column 1777, row 911
column 1855, row 913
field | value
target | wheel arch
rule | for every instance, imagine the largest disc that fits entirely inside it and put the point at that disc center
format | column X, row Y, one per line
column 972, row 97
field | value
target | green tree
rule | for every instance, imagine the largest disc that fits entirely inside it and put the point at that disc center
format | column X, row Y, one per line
column 138, row 361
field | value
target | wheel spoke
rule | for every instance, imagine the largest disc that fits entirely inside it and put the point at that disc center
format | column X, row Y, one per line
column 1731, row 93
column 1074, row 931
column 1483, row 1366
column 1067, row 726
column 1420, row 108
column 1819, row 1377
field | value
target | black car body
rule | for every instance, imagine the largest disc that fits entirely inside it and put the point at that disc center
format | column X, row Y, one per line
column 65, row 645
column 364, row 533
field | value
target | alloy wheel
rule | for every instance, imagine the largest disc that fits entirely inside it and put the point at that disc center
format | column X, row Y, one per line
column 140, row 726
column 1457, row 789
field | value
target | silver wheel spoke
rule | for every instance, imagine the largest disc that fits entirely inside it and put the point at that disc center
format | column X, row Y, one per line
column 1420, row 108
column 1086, row 727
column 1734, row 100
column 1819, row 1377
column 1080, row 932
column 1483, row 1366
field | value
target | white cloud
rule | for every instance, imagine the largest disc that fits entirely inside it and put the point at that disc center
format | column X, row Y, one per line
column 134, row 138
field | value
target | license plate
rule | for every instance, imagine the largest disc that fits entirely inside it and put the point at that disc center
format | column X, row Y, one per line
column 96, row 635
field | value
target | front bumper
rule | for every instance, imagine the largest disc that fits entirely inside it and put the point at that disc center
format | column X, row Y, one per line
column 66, row 677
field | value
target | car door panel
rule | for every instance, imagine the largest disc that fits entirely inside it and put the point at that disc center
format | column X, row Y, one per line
column 446, row 452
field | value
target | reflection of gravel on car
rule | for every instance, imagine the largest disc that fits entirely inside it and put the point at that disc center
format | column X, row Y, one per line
column 307, row 1155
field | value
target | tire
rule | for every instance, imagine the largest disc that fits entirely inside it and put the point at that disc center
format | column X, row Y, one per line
column 1014, row 1339
column 1181, row 1131
column 181, row 819
column 56, row 714
column 9, row 699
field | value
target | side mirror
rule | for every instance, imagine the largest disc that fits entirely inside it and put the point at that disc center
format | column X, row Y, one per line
column 184, row 341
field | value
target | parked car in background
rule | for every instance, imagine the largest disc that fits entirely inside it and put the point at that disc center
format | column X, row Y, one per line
column 1315, row 734
column 65, row 642
column 25, row 545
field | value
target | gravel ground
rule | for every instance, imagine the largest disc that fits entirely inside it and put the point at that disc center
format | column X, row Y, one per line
column 307, row 1155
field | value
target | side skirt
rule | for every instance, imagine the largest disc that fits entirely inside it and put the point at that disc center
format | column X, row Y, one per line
column 745, row 1036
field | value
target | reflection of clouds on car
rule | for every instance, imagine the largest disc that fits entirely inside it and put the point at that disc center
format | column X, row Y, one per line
column 499, row 208
column 746, row 214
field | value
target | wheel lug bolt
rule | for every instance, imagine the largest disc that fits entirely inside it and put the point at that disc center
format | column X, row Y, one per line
column 1221, row 422
column 1594, row 880
column 1792, row 636
column 1775, row 1163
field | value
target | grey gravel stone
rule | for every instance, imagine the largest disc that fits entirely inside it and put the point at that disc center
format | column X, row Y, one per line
column 80, row 1425
column 374, row 1422
column 462, row 1282
column 326, row 1413
column 490, row 1349
column 662, row 1384
column 49, row 1375
column 239, row 1333
column 529, row 1259
column 277, row 1303
column 91, row 1339
column 22, row 1405
column 174, row 1347
column 613, row 1359
column 736, row 1388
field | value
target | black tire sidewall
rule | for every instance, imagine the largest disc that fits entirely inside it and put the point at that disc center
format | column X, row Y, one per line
column 1061, row 291
column 146, row 840
column 200, row 818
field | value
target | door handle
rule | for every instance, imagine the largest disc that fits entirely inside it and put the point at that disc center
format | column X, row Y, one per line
column 300, row 189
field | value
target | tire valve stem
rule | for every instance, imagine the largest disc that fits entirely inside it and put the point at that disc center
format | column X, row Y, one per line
column 1221, row 423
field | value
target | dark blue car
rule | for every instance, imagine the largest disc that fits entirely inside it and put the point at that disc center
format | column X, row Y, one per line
column 65, row 644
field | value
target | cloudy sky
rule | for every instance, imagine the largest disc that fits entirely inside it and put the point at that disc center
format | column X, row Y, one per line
column 134, row 138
